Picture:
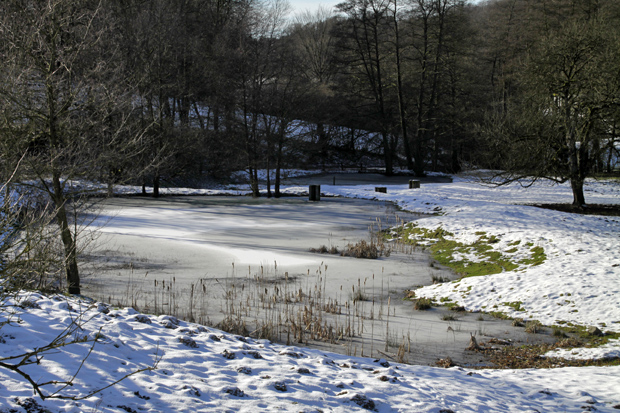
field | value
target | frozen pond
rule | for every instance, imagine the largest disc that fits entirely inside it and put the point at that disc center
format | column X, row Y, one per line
column 246, row 263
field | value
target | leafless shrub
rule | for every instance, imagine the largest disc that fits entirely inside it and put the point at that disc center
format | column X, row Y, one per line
column 422, row 304
column 364, row 249
column 533, row 327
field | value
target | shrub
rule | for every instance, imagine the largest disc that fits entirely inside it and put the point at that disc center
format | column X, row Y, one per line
column 559, row 333
column 533, row 327
column 362, row 249
column 423, row 303
column 437, row 279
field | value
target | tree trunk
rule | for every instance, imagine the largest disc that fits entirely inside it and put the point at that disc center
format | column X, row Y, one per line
column 276, row 185
column 322, row 140
column 68, row 240
column 579, row 199
column 387, row 152
column 402, row 115
column 254, row 182
column 269, row 195
column 156, row 186
column 279, row 151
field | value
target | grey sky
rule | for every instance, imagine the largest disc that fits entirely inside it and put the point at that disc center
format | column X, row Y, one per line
column 313, row 5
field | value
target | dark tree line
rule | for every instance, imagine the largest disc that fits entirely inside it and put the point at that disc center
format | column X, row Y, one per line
column 163, row 91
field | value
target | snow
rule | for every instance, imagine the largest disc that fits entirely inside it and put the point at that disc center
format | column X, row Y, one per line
column 579, row 283
column 202, row 369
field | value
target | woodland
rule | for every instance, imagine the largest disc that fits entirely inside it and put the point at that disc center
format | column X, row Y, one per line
column 170, row 92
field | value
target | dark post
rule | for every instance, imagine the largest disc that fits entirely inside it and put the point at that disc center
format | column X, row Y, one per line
column 413, row 184
column 381, row 189
column 314, row 192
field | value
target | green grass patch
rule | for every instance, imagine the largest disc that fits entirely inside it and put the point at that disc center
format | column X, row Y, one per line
column 516, row 305
column 499, row 315
column 467, row 260
column 538, row 257
column 557, row 332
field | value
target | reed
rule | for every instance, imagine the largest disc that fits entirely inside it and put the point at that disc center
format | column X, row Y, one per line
column 268, row 305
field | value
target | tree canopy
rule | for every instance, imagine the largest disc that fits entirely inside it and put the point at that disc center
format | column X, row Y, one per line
column 171, row 91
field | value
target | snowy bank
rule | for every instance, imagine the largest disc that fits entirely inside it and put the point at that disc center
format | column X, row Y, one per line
column 203, row 369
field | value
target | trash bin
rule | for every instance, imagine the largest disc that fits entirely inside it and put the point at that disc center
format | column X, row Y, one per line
column 314, row 192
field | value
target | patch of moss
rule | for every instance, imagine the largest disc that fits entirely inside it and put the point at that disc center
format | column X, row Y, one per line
column 516, row 305
column 452, row 305
column 557, row 332
column 500, row 315
column 538, row 257
column 409, row 295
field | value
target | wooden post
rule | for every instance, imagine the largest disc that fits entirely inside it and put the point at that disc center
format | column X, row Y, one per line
column 381, row 189
column 314, row 192
column 414, row 183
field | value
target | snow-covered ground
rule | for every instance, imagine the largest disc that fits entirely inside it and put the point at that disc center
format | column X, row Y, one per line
column 203, row 369
column 578, row 283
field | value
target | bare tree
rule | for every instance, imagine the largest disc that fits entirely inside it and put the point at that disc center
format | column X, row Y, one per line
column 66, row 101
column 315, row 43
column 557, row 128
column 25, row 263
column 364, row 58
column 264, row 25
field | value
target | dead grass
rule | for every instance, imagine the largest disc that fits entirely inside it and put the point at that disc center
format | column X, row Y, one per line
column 368, row 250
column 530, row 356
column 422, row 304
column 269, row 305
